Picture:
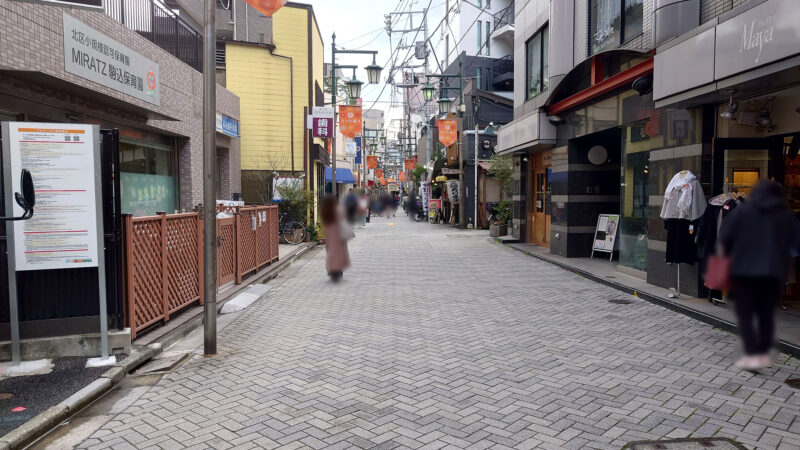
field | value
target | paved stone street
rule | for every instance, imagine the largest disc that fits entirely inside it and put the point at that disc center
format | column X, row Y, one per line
column 439, row 337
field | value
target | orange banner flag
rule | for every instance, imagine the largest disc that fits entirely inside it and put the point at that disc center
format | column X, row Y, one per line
column 410, row 164
column 372, row 162
column 266, row 7
column 448, row 132
column 379, row 173
column 402, row 176
column 350, row 120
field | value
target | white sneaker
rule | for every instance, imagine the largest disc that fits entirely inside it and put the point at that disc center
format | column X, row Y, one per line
column 762, row 361
column 747, row 362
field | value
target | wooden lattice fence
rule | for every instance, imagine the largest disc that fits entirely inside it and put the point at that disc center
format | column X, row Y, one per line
column 163, row 259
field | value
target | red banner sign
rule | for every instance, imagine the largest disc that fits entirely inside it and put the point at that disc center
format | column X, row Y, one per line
column 350, row 120
column 402, row 176
column 410, row 164
column 379, row 173
column 266, row 7
column 372, row 162
column 448, row 132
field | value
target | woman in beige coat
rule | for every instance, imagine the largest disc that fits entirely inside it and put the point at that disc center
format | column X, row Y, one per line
column 337, row 258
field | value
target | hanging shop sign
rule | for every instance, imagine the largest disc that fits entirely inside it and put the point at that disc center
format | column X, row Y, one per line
column 62, row 234
column 452, row 191
column 379, row 173
column 350, row 149
column 402, row 176
column 96, row 57
column 448, row 132
column 322, row 122
column 391, row 180
column 372, row 162
column 605, row 234
column 227, row 125
column 410, row 164
column 350, row 120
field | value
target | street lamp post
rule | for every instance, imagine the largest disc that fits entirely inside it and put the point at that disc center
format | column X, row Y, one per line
column 445, row 103
column 354, row 87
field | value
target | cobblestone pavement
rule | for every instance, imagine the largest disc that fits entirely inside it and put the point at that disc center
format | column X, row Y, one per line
column 442, row 338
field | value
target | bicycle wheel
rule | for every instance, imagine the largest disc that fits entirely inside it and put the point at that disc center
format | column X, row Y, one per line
column 294, row 232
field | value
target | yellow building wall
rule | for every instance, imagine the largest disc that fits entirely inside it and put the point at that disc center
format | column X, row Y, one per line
column 262, row 82
column 290, row 36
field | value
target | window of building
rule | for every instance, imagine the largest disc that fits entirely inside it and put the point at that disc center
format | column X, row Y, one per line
column 478, row 79
column 480, row 40
column 613, row 22
column 479, row 4
column 536, row 66
column 147, row 177
column 488, row 4
column 488, row 34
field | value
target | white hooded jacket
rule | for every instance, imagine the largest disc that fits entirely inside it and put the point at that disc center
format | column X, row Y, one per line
column 684, row 198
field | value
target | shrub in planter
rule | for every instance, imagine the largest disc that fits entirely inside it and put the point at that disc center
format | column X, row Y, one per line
column 499, row 227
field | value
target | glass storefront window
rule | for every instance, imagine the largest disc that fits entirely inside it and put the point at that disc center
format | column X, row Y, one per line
column 634, row 197
column 147, row 177
column 605, row 18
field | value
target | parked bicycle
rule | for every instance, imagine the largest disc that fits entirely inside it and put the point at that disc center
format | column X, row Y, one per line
column 292, row 231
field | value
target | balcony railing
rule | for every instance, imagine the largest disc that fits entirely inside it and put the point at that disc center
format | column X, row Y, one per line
column 504, row 17
column 160, row 25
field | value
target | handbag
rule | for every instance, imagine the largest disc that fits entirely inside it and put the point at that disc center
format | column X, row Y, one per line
column 718, row 273
column 346, row 230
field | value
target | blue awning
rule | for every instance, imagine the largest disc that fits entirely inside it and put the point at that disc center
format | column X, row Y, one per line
column 343, row 175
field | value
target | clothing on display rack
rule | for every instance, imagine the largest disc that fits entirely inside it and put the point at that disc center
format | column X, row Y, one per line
column 715, row 213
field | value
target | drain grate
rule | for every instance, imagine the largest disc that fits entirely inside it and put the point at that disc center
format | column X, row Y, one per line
column 620, row 301
column 793, row 382
column 686, row 444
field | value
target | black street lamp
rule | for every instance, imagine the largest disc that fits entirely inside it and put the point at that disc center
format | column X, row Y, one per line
column 445, row 104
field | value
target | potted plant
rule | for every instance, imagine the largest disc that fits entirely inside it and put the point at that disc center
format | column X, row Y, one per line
column 499, row 226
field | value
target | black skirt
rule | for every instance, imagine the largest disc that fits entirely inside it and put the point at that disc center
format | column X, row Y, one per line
column 681, row 247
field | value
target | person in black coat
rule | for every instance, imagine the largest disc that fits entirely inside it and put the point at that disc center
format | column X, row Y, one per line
column 761, row 237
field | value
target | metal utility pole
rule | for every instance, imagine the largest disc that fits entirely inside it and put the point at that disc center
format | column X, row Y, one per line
column 334, row 190
column 209, row 181
column 475, row 185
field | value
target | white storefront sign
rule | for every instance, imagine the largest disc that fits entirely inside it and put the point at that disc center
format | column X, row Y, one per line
column 96, row 57
column 62, row 233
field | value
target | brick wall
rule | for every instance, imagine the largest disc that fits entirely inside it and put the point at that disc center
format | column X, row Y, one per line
column 32, row 41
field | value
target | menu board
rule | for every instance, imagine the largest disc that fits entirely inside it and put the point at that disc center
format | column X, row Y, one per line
column 63, row 230
column 605, row 234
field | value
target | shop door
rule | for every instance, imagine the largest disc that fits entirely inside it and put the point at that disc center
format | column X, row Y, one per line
column 541, row 231
column 740, row 163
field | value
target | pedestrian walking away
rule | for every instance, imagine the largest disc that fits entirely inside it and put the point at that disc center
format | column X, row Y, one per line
column 337, row 258
column 761, row 237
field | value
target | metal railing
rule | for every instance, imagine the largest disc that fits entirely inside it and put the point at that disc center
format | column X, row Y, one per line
column 160, row 25
column 163, row 259
column 504, row 17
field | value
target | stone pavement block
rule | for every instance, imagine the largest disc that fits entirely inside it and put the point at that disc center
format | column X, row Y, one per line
column 507, row 352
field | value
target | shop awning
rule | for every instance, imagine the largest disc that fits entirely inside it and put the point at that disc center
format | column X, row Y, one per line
column 343, row 175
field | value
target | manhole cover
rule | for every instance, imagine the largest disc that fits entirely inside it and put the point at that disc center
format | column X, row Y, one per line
column 687, row 444
column 6, row 395
column 793, row 382
column 620, row 301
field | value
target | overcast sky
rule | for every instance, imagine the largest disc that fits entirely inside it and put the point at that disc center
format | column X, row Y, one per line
column 359, row 25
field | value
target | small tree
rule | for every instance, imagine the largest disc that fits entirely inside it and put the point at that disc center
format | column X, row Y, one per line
column 295, row 199
column 416, row 173
column 501, row 167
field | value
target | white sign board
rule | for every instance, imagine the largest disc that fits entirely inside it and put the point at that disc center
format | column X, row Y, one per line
column 322, row 112
column 96, row 57
column 605, row 234
column 62, row 233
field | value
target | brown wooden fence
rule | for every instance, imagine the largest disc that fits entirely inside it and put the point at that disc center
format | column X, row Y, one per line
column 163, row 259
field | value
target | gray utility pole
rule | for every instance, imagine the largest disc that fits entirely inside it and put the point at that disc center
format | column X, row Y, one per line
column 209, row 181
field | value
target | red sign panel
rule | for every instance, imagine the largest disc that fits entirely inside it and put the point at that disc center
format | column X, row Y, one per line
column 350, row 120
column 448, row 132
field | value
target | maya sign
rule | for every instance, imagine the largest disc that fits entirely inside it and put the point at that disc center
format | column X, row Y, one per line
column 448, row 132
column 96, row 57
column 350, row 120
